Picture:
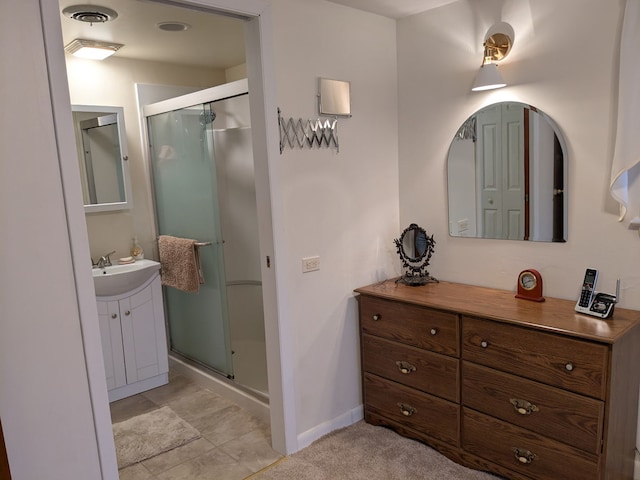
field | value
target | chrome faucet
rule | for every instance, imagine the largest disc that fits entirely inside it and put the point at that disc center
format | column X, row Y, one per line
column 105, row 260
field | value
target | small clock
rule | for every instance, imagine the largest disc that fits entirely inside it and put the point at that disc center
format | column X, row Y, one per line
column 530, row 285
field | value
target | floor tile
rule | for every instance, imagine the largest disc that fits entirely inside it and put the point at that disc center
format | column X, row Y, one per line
column 136, row 472
column 224, row 425
column 177, row 387
column 214, row 464
column 198, row 404
column 129, row 407
column 170, row 459
column 252, row 450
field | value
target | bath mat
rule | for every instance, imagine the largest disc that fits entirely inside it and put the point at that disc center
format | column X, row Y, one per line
column 150, row 434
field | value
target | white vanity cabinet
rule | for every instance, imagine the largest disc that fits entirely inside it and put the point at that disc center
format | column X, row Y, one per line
column 134, row 342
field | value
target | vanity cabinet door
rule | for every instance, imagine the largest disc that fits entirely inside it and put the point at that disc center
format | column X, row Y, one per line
column 111, row 336
column 143, row 335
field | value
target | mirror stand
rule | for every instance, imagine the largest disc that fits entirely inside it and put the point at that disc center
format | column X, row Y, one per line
column 415, row 248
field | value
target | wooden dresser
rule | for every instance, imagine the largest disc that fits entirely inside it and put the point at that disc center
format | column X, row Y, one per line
column 522, row 389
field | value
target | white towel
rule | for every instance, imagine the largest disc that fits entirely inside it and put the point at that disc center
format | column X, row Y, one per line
column 627, row 147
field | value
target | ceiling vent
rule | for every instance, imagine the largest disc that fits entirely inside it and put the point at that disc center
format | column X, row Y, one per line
column 90, row 13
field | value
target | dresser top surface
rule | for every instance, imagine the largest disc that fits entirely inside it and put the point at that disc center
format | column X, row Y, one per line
column 553, row 315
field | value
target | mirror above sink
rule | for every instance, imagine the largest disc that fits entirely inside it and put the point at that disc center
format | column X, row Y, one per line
column 507, row 176
column 102, row 157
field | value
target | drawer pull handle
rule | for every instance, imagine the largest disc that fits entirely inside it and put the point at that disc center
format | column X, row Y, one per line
column 405, row 367
column 524, row 456
column 484, row 344
column 376, row 317
column 127, row 313
column 407, row 410
column 114, row 315
column 569, row 367
column 433, row 331
column 523, row 407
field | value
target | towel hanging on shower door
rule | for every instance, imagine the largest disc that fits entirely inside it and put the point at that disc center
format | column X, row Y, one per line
column 180, row 263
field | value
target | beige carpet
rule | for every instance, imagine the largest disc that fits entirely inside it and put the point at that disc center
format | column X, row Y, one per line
column 366, row 452
column 150, row 434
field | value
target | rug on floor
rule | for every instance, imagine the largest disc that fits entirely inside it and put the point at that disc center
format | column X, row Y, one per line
column 366, row 452
column 150, row 434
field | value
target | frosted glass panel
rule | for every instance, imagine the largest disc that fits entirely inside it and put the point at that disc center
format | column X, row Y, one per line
column 186, row 200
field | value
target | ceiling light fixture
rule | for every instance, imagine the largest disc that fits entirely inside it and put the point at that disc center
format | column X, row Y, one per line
column 92, row 49
column 496, row 48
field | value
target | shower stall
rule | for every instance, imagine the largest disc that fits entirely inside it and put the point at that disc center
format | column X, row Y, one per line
column 202, row 172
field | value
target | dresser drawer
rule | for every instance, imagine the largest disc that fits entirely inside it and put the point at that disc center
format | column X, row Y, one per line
column 430, row 372
column 522, row 451
column 564, row 362
column 434, row 416
column 421, row 327
column 564, row 416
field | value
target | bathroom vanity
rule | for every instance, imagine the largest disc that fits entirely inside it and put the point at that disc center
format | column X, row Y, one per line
column 526, row 390
column 134, row 344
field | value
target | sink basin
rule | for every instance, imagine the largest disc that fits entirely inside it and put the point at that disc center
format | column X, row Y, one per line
column 118, row 279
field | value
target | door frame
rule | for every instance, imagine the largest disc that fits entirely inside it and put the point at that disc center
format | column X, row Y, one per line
column 262, row 84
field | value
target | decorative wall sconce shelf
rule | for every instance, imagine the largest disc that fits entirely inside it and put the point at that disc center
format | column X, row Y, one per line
column 296, row 132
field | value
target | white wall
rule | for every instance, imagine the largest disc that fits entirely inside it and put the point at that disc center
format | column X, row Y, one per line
column 112, row 82
column 555, row 65
column 45, row 404
column 341, row 206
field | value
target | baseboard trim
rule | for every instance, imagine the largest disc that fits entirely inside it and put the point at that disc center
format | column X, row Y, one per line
column 348, row 418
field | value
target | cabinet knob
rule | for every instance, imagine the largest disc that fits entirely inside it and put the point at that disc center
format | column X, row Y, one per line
column 569, row 367
column 114, row 315
column 523, row 407
column 407, row 410
column 524, row 456
column 434, row 331
column 405, row 367
column 376, row 317
column 127, row 313
column 484, row 344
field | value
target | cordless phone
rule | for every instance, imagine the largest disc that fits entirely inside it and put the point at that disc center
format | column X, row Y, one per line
column 596, row 304
column 588, row 288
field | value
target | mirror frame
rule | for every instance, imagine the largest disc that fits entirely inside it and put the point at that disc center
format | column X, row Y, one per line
column 124, row 158
column 334, row 97
column 469, row 131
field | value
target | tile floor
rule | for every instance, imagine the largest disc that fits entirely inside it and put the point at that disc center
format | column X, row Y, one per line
column 233, row 446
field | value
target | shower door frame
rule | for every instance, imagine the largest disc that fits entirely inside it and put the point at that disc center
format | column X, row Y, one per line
column 199, row 98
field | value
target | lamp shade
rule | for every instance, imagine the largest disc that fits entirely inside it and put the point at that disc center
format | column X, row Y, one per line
column 488, row 78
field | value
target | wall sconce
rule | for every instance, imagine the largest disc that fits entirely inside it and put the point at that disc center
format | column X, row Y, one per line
column 496, row 47
column 92, row 49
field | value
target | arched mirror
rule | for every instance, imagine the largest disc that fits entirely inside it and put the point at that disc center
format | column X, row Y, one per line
column 506, row 176
column 415, row 248
column 102, row 157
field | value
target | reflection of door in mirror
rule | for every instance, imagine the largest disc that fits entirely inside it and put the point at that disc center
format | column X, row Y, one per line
column 102, row 157
column 102, row 160
column 502, row 172
column 506, row 173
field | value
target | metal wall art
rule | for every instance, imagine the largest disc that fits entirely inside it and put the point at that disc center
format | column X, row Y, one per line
column 296, row 132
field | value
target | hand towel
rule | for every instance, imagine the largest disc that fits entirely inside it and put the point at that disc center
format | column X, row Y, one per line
column 180, row 263
column 627, row 147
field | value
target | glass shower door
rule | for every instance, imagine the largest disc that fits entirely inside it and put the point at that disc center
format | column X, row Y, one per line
column 186, row 200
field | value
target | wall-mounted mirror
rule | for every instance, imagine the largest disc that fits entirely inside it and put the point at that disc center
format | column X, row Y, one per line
column 507, row 176
column 102, row 157
column 334, row 97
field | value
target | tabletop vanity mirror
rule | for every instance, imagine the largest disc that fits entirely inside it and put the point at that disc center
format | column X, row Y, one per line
column 507, row 176
column 102, row 157
column 415, row 248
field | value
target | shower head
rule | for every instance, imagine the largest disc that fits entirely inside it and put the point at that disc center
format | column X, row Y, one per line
column 207, row 118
